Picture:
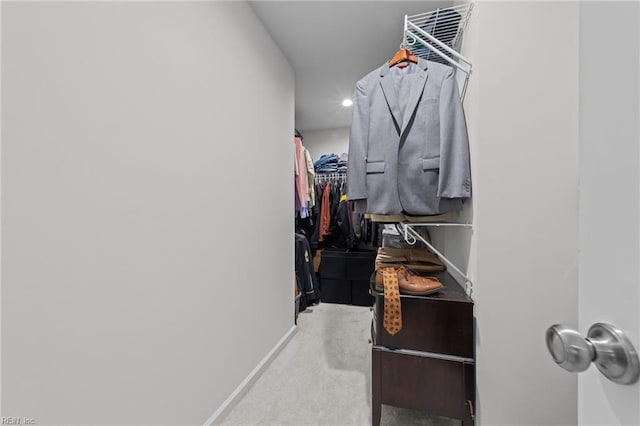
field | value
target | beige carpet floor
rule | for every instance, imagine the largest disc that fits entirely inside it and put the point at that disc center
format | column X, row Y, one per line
column 323, row 377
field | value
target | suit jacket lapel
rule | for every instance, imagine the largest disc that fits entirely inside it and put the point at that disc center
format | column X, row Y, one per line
column 416, row 93
column 391, row 96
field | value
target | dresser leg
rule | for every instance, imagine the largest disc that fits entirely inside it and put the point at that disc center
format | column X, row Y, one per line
column 376, row 403
column 470, row 394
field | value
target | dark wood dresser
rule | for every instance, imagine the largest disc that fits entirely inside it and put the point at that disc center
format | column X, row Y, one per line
column 429, row 365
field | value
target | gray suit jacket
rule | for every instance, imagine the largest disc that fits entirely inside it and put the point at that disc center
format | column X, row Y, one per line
column 409, row 153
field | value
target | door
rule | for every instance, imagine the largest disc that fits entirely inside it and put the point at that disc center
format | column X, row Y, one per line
column 609, row 270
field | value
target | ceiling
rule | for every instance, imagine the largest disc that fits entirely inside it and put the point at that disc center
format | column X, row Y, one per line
column 331, row 45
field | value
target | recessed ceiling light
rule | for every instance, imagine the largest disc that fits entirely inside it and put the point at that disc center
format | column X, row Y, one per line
column 347, row 103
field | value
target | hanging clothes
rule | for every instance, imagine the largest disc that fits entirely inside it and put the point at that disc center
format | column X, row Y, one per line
column 408, row 146
column 301, row 179
column 340, row 226
column 311, row 177
column 305, row 275
column 325, row 212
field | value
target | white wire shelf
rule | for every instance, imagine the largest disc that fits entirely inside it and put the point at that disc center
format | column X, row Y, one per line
column 445, row 24
column 437, row 36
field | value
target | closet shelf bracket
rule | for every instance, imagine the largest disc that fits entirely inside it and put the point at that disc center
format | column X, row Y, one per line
column 411, row 236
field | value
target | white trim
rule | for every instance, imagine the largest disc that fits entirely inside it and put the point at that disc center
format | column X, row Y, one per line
column 243, row 388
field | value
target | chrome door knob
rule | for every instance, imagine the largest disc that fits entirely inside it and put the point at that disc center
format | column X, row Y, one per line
column 569, row 349
column 605, row 345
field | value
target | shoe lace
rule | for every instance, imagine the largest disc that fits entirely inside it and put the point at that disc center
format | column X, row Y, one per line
column 402, row 270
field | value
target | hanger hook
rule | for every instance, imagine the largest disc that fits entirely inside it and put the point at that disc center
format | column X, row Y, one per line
column 412, row 42
column 410, row 239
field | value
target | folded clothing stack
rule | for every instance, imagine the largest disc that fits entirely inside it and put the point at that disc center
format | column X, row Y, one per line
column 418, row 260
column 342, row 163
column 327, row 163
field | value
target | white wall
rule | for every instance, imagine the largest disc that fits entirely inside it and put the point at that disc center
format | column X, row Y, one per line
column 609, row 199
column 327, row 141
column 522, row 109
column 146, row 208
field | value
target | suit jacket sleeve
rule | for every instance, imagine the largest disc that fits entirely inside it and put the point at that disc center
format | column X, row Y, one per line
column 358, row 145
column 455, row 173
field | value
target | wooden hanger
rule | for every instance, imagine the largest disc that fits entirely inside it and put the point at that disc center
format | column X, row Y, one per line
column 403, row 56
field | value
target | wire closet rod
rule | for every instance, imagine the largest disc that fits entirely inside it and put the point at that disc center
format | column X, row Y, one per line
column 437, row 224
column 330, row 176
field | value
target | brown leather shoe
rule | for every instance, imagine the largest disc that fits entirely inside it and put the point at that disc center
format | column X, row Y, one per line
column 410, row 283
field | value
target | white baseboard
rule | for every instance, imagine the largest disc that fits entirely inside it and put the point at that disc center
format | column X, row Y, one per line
column 243, row 388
